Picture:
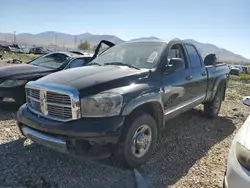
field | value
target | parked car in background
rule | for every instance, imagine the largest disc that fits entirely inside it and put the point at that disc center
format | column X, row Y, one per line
column 238, row 67
column 13, row 78
column 31, row 50
column 235, row 71
column 238, row 165
column 118, row 104
column 24, row 50
column 39, row 50
column 14, row 49
column 246, row 69
column 6, row 48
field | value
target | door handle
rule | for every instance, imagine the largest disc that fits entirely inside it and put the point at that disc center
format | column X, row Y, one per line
column 203, row 74
column 189, row 77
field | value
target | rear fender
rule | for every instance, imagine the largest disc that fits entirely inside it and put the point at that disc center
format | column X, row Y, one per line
column 220, row 83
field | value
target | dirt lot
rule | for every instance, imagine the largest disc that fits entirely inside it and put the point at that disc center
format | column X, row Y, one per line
column 192, row 153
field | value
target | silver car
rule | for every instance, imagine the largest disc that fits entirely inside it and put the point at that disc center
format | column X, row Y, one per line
column 238, row 165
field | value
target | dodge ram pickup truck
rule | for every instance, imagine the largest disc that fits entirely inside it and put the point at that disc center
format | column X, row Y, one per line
column 119, row 103
column 13, row 78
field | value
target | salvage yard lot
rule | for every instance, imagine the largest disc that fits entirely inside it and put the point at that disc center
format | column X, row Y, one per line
column 191, row 153
column 22, row 57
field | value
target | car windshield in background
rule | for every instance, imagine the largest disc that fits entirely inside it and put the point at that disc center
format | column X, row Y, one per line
column 54, row 60
column 142, row 55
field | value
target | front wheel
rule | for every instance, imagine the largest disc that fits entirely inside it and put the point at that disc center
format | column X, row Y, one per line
column 138, row 140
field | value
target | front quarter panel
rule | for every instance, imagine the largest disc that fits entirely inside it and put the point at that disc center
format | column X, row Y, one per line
column 135, row 95
column 140, row 100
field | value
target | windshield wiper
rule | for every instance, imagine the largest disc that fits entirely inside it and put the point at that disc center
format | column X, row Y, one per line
column 94, row 63
column 122, row 64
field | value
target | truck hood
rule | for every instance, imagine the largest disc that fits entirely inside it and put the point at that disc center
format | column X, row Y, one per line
column 22, row 70
column 96, row 78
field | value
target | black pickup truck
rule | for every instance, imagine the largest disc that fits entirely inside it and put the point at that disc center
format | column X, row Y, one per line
column 119, row 103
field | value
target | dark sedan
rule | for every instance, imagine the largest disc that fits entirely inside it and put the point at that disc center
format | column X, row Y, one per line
column 13, row 78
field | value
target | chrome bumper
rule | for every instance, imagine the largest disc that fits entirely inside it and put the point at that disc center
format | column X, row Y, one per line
column 45, row 140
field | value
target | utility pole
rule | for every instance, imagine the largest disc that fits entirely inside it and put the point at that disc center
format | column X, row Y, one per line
column 55, row 41
column 14, row 37
column 75, row 41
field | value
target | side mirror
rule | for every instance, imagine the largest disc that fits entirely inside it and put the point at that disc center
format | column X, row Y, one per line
column 175, row 64
column 246, row 101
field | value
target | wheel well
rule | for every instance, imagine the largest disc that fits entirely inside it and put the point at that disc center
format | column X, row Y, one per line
column 155, row 110
column 223, row 87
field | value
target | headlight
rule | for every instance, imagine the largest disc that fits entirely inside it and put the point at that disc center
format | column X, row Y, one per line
column 243, row 155
column 101, row 105
column 13, row 83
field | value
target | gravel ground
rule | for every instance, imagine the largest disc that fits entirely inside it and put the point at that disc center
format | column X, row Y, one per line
column 192, row 153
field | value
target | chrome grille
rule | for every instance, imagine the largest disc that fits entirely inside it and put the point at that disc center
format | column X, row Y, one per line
column 58, row 98
column 36, row 105
column 61, row 104
column 60, row 111
column 35, row 93
column 33, row 99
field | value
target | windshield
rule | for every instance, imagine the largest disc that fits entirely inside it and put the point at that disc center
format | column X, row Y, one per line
column 54, row 60
column 137, row 54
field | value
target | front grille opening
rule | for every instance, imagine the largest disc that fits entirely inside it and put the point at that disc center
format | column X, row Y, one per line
column 50, row 104
column 59, row 111
column 58, row 98
column 36, row 105
column 35, row 93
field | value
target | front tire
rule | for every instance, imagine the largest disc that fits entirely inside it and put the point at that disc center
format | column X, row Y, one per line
column 137, row 141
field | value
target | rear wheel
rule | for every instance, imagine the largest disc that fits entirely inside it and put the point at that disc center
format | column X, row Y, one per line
column 138, row 140
column 212, row 108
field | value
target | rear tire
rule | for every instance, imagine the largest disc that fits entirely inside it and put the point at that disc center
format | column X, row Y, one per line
column 132, row 139
column 212, row 108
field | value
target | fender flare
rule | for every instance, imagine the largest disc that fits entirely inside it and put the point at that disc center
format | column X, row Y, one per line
column 145, row 99
column 140, row 100
column 217, row 83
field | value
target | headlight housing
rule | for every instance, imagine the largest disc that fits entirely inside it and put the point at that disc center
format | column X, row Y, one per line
column 243, row 155
column 102, row 105
column 13, row 83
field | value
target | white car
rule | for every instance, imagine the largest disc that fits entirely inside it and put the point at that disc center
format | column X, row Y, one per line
column 238, row 166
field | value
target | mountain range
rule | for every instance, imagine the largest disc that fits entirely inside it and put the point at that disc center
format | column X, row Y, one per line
column 51, row 38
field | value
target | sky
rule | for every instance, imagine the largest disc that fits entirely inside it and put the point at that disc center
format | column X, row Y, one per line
column 225, row 23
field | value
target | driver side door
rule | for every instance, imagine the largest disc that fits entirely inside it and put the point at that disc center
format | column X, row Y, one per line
column 176, row 85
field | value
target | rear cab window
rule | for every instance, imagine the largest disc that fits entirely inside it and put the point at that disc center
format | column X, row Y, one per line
column 195, row 60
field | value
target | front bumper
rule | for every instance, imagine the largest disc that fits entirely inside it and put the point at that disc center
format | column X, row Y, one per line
column 14, row 95
column 236, row 176
column 89, row 137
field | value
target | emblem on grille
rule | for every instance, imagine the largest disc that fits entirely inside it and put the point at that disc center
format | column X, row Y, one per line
column 43, row 104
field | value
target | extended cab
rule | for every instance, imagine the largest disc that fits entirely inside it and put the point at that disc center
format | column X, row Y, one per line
column 119, row 103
